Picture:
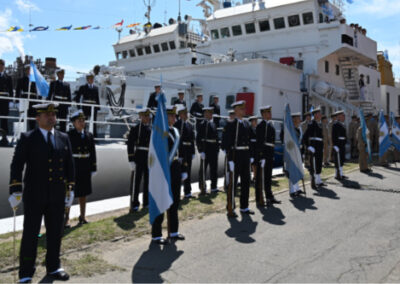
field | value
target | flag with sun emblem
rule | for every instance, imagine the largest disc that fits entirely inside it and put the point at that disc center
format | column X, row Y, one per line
column 384, row 139
column 395, row 132
column 292, row 155
column 160, row 194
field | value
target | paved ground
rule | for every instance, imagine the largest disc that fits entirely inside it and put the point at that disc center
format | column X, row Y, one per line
column 347, row 233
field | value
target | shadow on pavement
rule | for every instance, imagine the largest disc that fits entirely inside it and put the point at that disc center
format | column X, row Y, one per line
column 374, row 175
column 242, row 230
column 153, row 262
column 127, row 221
column 350, row 184
column 326, row 192
column 273, row 215
column 303, row 203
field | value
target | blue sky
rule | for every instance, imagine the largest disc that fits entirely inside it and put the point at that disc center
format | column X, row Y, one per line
column 81, row 50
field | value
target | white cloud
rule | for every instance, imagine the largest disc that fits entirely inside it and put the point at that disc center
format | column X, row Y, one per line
column 26, row 6
column 9, row 41
column 378, row 8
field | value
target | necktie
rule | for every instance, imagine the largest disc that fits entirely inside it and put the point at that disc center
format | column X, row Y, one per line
column 49, row 143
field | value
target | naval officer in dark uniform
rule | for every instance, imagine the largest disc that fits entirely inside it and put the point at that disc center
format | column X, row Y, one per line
column 89, row 93
column 181, row 98
column 84, row 153
column 197, row 107
column 207, row 141
column 314, row 142
column 60, row 91
column 152, row 102
column 237, row 141
column 22, row 91
column 6, row 90
column 186, row 148
column 217, row 110
column 46, row 155
column 265, row 133
column 138, row 151
column 339, row 139
column 178, row 174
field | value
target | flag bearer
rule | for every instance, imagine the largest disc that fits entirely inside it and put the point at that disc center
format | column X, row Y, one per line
column 138, row 151
column 339, row 140
column 46, row 156
column 294, row 189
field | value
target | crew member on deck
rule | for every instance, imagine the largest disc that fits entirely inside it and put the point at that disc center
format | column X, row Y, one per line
column 217, row 110
column 6, row 90
column 265, row 133
column 207, row 141
column 152, row 102
column 24, row 92
column 46, row 155
column 186, row 149
column 197, row 107
column 138, row 151
column 84, row 153
column 60, row 91
column 339, row 140
column 90, row 95
column 253, row 146
column 181, row 98
column 178, row 173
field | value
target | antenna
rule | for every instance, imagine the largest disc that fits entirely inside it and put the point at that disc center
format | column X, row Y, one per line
column 179, row 14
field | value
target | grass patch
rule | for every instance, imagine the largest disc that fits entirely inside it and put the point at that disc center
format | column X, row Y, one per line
column 127, row 225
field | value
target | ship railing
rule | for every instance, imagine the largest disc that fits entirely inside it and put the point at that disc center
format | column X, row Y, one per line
column 23, row 118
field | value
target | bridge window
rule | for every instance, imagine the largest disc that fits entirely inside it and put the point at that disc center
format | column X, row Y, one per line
column 308, row 18
column 139, row 51
column 250, row 28
column 156, row 48
column 182, row 44
column 294, row 21
column 118, row 55
column 132, row 53
column 326, row 66
column 147, row 49
column 214, row 34
column 237, row 30
column 124, row 54
column 230, row 99
column 279, row 23
column 368, row 81
column 264, row 25
column 337, row 70
column 225, row 33
column 164, row 46
column 172, row 45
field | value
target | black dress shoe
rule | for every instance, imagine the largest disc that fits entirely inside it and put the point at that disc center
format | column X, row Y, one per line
column 161, row 241
column 321, row 184
column 338, row 177
column 248, row 212
column 345, row 177
column 67, row 226
column 61, row 275
column 233, row 215
column 300, row 192
column 274, row 201
column 82, row 221
column 178, row 237
column 293, row 195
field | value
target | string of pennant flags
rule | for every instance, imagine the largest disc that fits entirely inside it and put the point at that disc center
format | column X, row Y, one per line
column 70, row 27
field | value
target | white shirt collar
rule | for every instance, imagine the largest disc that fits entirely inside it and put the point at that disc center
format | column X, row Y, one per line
column 44, row 132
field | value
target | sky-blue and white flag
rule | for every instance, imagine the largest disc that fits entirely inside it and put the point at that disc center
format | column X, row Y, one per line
column 365, row 134
column 292, row 155
column 395, row 132
column 384, row 138
column 160, row 194
column 42, row 86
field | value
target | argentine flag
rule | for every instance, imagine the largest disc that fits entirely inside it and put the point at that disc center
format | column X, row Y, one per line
column 395, row 132
column 42, row 86
column 365, row 134
column 292, row 155
column 160, row 194
column 384, row 139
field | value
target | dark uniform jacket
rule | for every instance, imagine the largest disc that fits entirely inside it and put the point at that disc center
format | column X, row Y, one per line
column 88, row 95
column 313, row 135
column 6, row 85
column 84, row 153
column 186, row 145
column 23, row 87
column 46, row 172
column 217, row 111
column 253, row 142
column 265, row 133
column 207, row 137
column 232, row 141
column 59, row 91
column 178, row 102
column 339, row 135
column 152, row 103
column 197, row 109
column 141, row 140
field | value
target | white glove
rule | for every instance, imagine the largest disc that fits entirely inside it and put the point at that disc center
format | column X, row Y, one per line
column 184, row 176
column 336, row 148
column 311, row 149
column 133, row 165
column 262, row 163
column 251, row 160
column 231, row 166
column 193, row 156
column 69, row 200
column 94, row 173
column 203, row 155
column 15, row 199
